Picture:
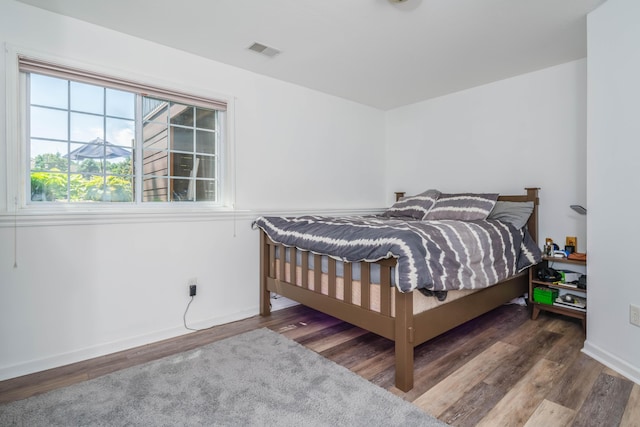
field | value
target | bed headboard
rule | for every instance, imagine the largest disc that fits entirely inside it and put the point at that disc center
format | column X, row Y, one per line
column 531, row 196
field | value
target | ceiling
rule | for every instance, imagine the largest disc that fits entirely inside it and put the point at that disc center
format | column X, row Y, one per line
column 375, row 52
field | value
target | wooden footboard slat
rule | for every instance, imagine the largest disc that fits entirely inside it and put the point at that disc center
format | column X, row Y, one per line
column 332, row 277
column 365, row 285
column 292, row 264
column 283, row 262
column 317, row 273
column 305, row 269
column 348, row 282
column 385, row 290
column 272, row 260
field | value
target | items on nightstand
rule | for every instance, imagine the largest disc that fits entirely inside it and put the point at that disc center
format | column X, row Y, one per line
column 582, row 282
column 545, row 295
column 578, row 256
column 559, row 291
column 548, row 274
column 571, row 300
column 549, row 247
column 571, row 244
column 569, row 278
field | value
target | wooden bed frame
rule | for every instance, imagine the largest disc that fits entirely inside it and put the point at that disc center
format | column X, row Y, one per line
column 406, row 329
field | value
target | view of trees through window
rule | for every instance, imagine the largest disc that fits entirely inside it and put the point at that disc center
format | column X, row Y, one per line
column 48, row 184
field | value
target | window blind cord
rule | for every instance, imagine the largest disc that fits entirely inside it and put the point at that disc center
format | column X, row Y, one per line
column 235, row 168
column 234, row 221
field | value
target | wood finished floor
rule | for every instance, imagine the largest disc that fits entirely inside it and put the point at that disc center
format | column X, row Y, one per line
column 501, row 369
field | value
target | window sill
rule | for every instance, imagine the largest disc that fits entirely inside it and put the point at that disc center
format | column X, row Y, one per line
column 80, row 215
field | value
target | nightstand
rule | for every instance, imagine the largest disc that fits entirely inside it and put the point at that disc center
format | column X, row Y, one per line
column 534, row 282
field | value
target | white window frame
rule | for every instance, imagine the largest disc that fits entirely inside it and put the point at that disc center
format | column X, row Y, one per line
column 18, row 174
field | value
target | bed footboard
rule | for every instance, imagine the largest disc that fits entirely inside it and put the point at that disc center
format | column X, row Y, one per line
column 398, row 328
column 289, row 276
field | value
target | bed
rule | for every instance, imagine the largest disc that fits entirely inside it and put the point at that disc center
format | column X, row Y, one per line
column 373, row 294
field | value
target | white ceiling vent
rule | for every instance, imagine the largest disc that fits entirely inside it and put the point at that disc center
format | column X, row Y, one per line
column 265, row 50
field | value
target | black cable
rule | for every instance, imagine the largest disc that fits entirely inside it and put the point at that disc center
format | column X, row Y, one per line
column 184, row 316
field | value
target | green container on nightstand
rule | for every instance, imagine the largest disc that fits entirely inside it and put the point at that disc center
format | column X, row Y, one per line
column 544, row 295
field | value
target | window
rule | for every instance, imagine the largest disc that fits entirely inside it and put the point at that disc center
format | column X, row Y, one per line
column 93, row 138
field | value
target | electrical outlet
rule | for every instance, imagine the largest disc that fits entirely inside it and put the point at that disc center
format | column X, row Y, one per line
column 634, row 314
column 192, row 286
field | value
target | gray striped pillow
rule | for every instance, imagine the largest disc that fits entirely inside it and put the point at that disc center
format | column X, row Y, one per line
column 415, row 207
column 463, row 206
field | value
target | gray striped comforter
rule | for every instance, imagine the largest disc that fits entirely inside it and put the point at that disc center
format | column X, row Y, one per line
column 434, row 255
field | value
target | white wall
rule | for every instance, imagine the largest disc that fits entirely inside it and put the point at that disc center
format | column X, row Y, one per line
column 89, row 285
column 526, row 131
column 612, row 162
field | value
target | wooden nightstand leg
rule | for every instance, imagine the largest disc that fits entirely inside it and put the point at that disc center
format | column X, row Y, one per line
column 535, row 312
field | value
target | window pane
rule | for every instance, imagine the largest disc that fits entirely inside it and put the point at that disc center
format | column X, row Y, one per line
column 155, row 110
column 155, row 136
column 155, row 163
column 49, row 91
column 120, row 166
column 181, row 164
column 205, row 191
column 86, row 127
column 48, row 123
column 181, row 115
column 206, row 167
column 48, row 187
column 121, row 132
column 87, row 98
column 87, row 167
column 205, row 142
column 181, row 139
column 180, row 190
column 121, row 104
column 94, row 187
column 118, row 189
column 205, row 119
column 155, row 189
column 48, row 156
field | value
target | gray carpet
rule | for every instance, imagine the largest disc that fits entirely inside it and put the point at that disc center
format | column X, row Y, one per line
column 259, row 378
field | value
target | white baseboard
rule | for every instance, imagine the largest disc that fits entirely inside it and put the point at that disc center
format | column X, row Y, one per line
column 611, row 361
column 58, row 360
